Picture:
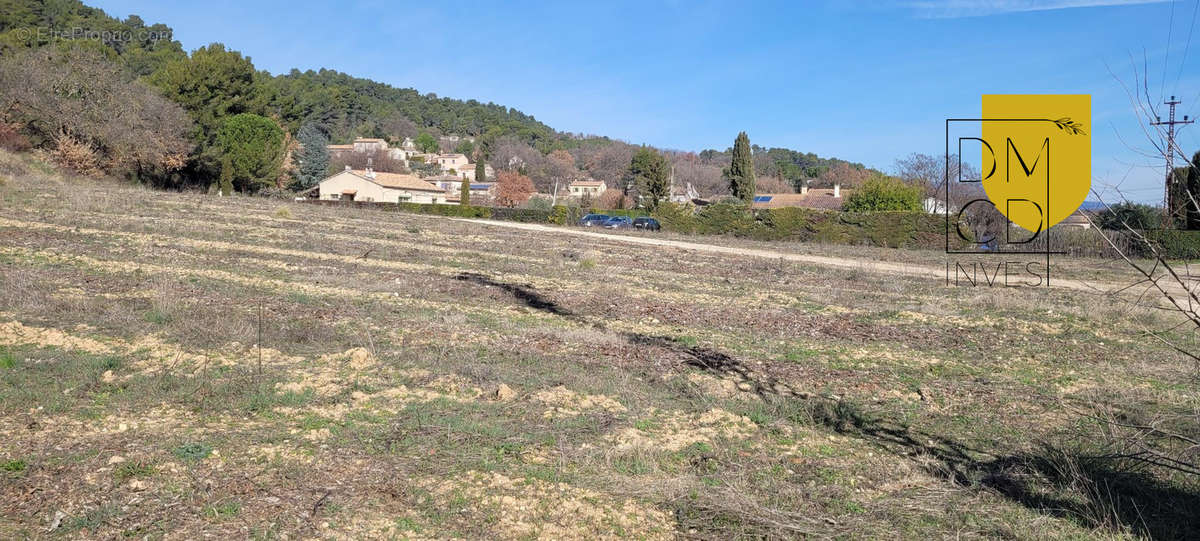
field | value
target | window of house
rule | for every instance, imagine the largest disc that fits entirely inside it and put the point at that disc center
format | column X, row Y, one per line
column 335, row 196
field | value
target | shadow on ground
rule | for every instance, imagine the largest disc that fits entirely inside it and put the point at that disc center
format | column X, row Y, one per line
column 1113, row 494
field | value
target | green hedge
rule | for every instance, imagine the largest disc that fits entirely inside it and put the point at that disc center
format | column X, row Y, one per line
column 1173, row 243
column 441, row 210
column 890, row 229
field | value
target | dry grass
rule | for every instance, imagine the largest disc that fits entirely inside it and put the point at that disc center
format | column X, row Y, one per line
column 179, row 365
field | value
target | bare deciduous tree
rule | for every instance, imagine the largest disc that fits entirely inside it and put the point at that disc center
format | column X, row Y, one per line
column 79, row 99
column 560, row 168
column 1165, row 441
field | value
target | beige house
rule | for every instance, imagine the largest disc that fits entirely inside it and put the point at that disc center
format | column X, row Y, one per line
column 364, row 145
column 1076, row 221
column 457, row 162
column 590, row 187
column 369, row 186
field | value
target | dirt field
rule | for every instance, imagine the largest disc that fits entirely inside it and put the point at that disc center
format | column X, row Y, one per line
column 183, row 366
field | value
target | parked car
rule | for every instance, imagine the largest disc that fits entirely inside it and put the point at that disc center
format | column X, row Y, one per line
column 617, row 222
column 647, row 223
column 593, row 220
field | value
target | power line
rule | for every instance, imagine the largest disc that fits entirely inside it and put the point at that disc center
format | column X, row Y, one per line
column 1170, row 124
column 1167, row 55
column 1187, row 45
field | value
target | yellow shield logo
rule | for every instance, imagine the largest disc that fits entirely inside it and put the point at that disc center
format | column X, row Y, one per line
column 1037, row 156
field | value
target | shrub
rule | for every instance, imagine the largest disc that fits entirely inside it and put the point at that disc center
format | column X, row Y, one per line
column 731, row 217
column 193, row 452
column 539, row 203
column 76, row 155
column 881, row 193
column 1137, row 215
column 253, row 146
column 558, row 215
column 1172, row 243
column 676, row 217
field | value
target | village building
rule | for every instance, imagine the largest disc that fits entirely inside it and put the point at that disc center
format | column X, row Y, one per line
column 594, row 188
column 813, row 198
column 469, row 172
column 366, row 145
column 370, row 186
column 453, row 184
column 451, row 162
column 1076, row 220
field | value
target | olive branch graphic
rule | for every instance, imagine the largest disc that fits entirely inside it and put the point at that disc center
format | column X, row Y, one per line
column 1069, row 126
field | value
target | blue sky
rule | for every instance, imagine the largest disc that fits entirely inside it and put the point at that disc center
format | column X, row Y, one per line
column 868, row 81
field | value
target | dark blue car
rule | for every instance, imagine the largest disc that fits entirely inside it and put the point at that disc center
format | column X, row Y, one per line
column 617, row 222
column 593, row 220
column 646, row 223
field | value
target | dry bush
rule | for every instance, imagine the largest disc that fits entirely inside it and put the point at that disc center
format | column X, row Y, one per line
column 76, row 155
column 773, row 185
column 613, row 199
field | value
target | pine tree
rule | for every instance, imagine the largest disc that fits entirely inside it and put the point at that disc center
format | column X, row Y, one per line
column 464, row 192
column 314, row 156
column 740, row 173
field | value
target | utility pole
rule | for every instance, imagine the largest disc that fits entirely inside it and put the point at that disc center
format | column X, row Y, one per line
column 1170, row 124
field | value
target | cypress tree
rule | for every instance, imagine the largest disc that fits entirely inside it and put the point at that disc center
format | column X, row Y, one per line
column 464, row 192
column 480, row 171
column 740, row 172
column 226, row 184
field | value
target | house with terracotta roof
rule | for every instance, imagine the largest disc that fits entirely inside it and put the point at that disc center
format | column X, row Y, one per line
column 590, row 187
column 813, row 198
column 370, row 186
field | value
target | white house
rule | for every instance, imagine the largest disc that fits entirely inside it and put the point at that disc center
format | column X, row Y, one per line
column 353, row 185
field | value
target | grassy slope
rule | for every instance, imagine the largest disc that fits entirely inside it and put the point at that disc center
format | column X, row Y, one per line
column 655, row 392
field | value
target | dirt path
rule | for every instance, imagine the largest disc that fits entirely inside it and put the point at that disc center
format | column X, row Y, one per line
column 938, row 273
